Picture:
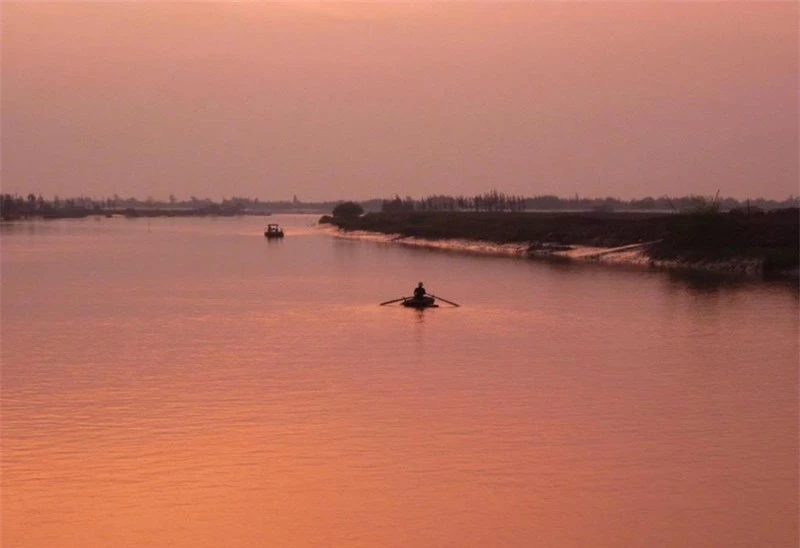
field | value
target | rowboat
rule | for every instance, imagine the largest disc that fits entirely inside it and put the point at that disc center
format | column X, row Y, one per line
column 424, row 302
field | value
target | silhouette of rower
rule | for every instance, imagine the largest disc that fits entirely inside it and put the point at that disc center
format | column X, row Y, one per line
column 419, row 292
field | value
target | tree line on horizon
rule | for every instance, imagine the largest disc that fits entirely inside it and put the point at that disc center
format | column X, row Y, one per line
column 14, row 205
column 494, row 201
column 488, row 201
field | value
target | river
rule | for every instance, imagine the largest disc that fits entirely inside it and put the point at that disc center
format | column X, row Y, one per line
column 188, row 383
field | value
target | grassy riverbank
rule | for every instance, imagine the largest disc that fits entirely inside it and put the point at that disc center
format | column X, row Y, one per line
column 703, row 240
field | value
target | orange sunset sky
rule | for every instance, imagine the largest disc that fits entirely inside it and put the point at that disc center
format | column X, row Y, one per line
column 361, row 100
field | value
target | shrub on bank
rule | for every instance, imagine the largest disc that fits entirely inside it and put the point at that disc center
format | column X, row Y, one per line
column 348, row 210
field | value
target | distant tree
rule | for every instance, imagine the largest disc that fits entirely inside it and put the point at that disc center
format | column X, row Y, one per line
column 645, row 203
column 7, row 205
column 397, row 205
column 347, row 210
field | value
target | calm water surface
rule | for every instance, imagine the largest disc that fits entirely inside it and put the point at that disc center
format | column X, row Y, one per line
column 186, row 383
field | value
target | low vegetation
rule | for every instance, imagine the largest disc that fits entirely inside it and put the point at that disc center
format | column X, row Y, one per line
column 347, row 210
column 704, row 235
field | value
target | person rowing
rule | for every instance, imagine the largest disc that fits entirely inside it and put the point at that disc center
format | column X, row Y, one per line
column 419, row 292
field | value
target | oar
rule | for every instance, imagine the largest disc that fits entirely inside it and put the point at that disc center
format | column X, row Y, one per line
column 394, row 301
column 445, row 300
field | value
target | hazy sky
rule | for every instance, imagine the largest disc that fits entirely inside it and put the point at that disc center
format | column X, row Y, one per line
column 362, row 100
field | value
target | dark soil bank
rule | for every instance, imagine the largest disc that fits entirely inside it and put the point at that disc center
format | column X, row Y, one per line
column 772, row 237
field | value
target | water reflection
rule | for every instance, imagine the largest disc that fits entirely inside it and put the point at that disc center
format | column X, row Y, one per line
column 14, row 228
column 712, row 282
column 175, row 388
column 707, row 281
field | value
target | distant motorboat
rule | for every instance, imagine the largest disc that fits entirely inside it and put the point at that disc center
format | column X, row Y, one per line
column 273, row 231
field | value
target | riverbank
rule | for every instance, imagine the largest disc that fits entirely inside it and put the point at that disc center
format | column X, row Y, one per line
column 764, row 244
